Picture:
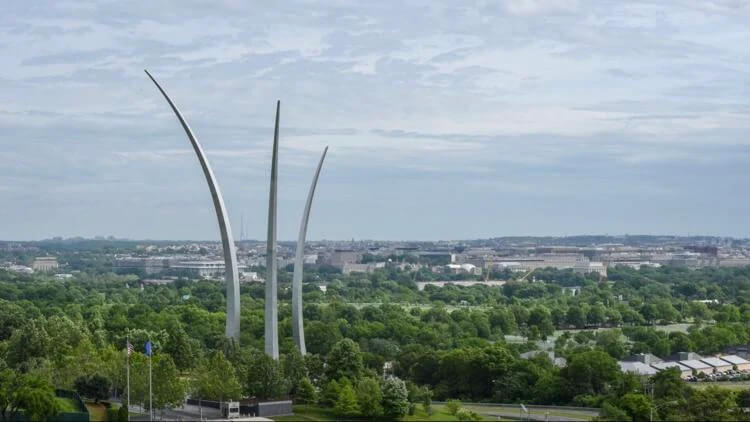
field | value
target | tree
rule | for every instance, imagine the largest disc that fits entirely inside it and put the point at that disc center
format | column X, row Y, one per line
column 369, row 398
column 345, row 360
column 28, row 393
column 669, row 386
column 216, row 380
column 29, row 341
column 576, row 316
column 541, row 319
column 711, row 404
column 591, row 372
column 611, row 412
column 306, row 393
column 183, row 348
column 637, row 406
column 395, row 398
column 612, row 343
column 330, row 393
column 168, row 388
column 94, row 387
column 264, row 378
column 293, row 368
column 346, row 404
column 320, row 337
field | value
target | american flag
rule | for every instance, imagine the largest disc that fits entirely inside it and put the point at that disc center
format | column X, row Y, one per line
column 129, row 348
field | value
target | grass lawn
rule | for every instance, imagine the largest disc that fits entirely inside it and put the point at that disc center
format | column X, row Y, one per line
column 66, row 404
column 97, row 412
column 514, row 411
column 308, row 413
column 732, row 385
column 438, row 414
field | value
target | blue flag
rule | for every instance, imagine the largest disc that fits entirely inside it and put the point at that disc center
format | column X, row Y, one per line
column 148, row 348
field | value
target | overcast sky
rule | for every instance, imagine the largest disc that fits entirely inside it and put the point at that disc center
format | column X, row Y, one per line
column 520, row 117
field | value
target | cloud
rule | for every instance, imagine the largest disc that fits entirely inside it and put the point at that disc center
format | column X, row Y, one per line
column 503, row 116
column 535, row 7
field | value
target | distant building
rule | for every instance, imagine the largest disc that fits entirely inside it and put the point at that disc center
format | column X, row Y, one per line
column 22, row 269
column 149, row 265
column 349, row 268
column 250, row 276
column 698, row 366
column 719, row 365
column 646, row 358
column 586, row 266
column 741, row 351
column 737, row 362
column 202, row 268
column 45, row 264
column 684, row 370
column 465, row 283
column 63, row 276
column 339, row 257
column 638, row 368
column 464, row 269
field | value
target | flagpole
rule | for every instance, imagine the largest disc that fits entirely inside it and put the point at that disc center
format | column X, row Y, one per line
column 127, row 354
column 150, row 398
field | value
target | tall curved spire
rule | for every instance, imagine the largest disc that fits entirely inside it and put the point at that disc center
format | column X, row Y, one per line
column 272, row 298
column 298, row 330
column 227, row 241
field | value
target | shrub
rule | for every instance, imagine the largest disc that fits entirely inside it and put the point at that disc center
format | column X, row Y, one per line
column 452, row 406
column 467, row 415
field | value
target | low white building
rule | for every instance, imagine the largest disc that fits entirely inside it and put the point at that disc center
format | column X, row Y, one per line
column 464, row 269
column 719, row 365
column 736, row 361
column 22, row 269
column 349, row 268
column 638, row 368
column 684, row 370
column 698, row 366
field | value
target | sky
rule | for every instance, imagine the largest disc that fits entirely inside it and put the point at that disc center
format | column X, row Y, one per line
column 445, row 120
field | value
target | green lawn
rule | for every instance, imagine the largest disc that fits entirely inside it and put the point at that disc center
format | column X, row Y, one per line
column 308, row 413
column 438, row 414
column 732, row 385
column 66, row 404
column 515, row 411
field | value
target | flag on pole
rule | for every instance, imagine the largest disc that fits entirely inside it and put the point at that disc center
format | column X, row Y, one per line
column 148, row 348
column 129, row 348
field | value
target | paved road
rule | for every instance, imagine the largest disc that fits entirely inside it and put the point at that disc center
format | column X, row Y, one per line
column 531, row 417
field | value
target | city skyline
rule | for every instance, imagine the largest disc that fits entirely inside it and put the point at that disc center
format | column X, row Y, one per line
column 527, row 118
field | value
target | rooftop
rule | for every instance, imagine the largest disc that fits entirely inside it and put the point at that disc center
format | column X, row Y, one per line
column 695, row 364
column 715, row 362
column 735, row 360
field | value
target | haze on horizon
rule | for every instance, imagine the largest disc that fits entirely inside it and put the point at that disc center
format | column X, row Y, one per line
column 525, row 117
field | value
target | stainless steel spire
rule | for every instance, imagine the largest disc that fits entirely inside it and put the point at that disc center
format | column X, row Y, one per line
column 298, row 329
column 271, row 312
column 227, row 241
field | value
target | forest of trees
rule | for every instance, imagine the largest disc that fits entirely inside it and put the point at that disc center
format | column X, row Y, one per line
column 376, row 336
